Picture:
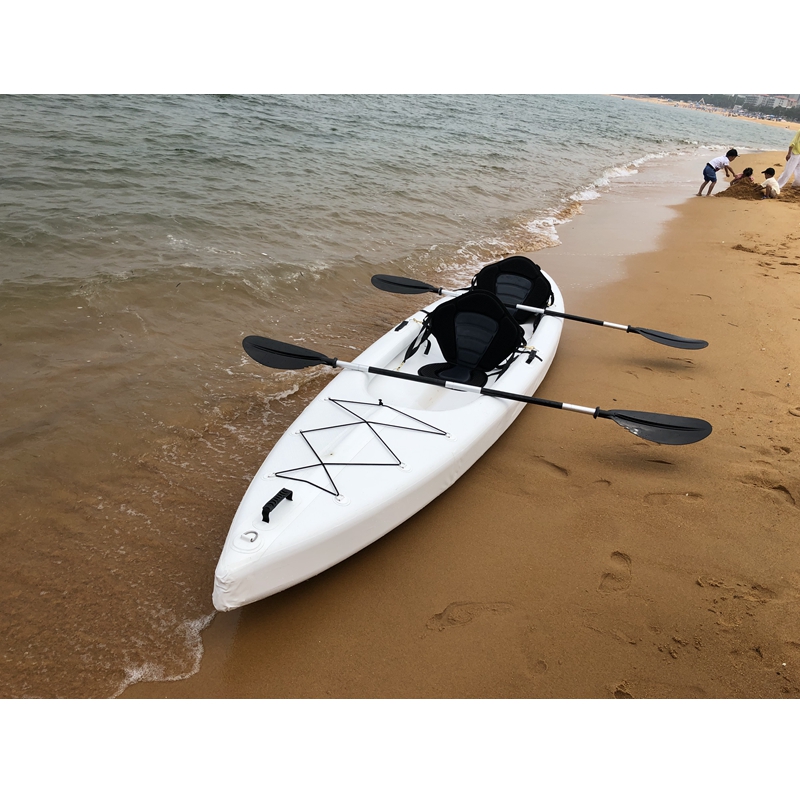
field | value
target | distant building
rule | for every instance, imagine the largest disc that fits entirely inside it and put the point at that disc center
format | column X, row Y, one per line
column 770, row 100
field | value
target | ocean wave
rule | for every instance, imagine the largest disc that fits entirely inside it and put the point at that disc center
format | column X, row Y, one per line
column 584, row 195
column 546, row 228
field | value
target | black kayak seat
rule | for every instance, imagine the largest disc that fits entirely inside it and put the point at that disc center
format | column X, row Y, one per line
column 476, row 335
column 517, row 281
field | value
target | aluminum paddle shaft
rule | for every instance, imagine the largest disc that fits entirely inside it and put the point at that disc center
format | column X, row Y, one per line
column 398, row 285
column 661, row 428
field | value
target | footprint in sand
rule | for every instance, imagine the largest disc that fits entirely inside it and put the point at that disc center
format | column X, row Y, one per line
column 539, row 667
column 777, row 490
column 536, row 667
column 618, row 577
column 662, row 498
column 556, row 469
column 460, row 613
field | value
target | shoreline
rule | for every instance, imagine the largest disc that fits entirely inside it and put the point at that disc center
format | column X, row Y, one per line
column 793, row 126
column 573, row 560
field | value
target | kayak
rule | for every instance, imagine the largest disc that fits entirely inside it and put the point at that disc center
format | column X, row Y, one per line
column 367, row 453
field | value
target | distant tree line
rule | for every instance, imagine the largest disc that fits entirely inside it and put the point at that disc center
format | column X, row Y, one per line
column 731, row 100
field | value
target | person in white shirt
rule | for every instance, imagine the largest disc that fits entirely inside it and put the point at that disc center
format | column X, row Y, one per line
column 713, row 167
column 770, row 186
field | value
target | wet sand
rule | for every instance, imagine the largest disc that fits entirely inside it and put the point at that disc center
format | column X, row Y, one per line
column 575, row 560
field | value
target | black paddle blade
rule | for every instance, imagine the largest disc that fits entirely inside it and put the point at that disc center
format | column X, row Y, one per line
column 661, row 428
column 280, row 355
column 397, row 285
column 669, row 339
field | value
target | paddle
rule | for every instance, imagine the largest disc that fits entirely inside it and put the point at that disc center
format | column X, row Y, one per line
column 398, row 285
column 661, row 428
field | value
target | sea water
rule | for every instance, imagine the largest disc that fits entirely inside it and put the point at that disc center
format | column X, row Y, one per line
column 142, row 237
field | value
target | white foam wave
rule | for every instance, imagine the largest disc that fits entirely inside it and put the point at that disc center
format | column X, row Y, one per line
column 192, row 630
column 546, row 226
column 651, row 157
column 620, row 172
column 178, row 244
column 592, row 191
column 585, row 195
column 291, row 391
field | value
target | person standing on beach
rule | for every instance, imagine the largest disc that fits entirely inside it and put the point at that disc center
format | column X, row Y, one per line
column 713, row 167
column 792, row 168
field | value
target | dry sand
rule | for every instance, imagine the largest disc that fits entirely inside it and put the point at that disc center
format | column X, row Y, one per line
column 575, row 560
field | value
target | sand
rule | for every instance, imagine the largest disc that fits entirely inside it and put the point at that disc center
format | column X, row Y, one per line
column 575, row 560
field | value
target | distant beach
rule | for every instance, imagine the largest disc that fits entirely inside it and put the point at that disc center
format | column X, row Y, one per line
column 793, row 126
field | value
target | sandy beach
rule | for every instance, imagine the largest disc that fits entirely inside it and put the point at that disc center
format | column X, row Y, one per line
column 711, row 110
column 575, row 560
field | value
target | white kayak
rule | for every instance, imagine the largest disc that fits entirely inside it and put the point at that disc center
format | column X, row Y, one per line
column 365, row 455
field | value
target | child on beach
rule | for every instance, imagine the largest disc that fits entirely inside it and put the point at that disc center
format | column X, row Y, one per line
column 770, row 188
column 745, row 177
column 713, row 167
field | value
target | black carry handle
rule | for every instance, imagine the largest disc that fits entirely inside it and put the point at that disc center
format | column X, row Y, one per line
column 283, row 494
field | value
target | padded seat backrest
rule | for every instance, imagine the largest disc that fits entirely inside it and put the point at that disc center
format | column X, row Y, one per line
column 475, row 330
column 516, row 281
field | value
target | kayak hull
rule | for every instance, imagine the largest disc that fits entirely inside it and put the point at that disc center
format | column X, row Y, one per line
column 365, row 455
